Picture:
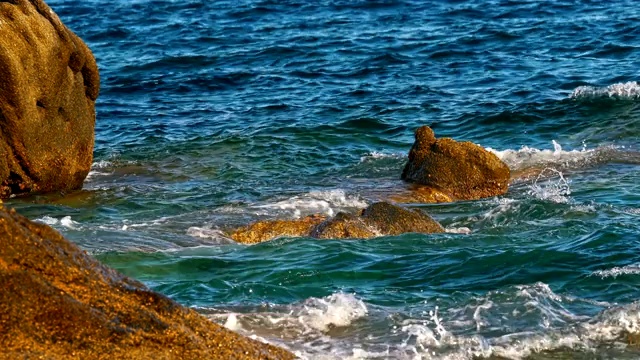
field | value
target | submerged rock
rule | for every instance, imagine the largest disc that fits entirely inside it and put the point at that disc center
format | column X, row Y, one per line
column 460, row 170
column 49, row 83
column 59, row 303
column 378, row 219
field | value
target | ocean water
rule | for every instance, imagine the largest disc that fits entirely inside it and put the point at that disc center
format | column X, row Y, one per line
column 213, row 114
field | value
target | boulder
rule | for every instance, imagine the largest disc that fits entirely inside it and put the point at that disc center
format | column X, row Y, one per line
column 389, row 219
column 261, row 231
column 378, row 219
column 460, row 170
column 49, row 83
column 57, row 302
column 343, row 226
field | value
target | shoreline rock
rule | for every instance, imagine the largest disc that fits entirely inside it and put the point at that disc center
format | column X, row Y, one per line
column 49, row 83
column 57, row 302
column 458, row 170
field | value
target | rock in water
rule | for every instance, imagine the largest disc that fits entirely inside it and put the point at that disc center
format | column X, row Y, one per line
column 464, row 170
column 49, row 83
column 59, row 303
column 261, row 231
column 391, row 219
column 378, row 219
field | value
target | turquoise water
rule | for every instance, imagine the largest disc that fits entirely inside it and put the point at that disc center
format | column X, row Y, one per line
column 215, row 114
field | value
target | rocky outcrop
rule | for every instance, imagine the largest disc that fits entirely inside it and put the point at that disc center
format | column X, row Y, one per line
column 378, row 219
column 460, row 170
column 59, row 303
column 48, row 86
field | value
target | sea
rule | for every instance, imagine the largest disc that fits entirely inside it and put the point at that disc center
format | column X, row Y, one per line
column 214, row 114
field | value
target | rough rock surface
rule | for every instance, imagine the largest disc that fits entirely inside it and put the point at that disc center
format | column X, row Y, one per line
column 462, row 170
column 59, row 303
column 48, row 86
column 343, row 226
column 378, row 219
column 261, row 231
column 391, row 219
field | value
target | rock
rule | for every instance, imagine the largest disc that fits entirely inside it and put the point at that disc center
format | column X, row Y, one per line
column 391, row 219
column 460, row 170
column 343, row 226
column 59, row 303
column 378, row 219
column 49, row 83
column 266, row 230
column 417, row 193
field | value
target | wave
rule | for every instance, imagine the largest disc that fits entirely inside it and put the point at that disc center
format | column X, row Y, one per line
column 633, row 269
column 559, row 159
column 327, row 202
column 64, row 221
column 512, row 323
column 624, row 91
column 375, row 155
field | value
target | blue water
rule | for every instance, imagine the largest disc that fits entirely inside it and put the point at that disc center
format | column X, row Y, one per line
column 213, row 114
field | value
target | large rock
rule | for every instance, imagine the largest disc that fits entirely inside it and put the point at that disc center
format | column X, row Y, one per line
column 378, row 219
column 57, row 302
column 48, row 86
column 462, row 170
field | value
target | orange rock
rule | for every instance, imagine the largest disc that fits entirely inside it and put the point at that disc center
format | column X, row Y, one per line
column 59, row 303
column 266, row 230
column 49, row 83
column 464, row 170
column 378, row 219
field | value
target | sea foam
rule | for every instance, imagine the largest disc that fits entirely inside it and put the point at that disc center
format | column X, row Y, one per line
column 628, row 90
column 316, row 202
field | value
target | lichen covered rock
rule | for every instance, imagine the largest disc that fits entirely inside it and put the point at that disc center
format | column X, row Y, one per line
column 59, row 303
column 49, row 83
column 460, row 170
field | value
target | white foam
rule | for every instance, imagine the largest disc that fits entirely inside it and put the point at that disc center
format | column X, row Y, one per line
column 338, row 309
column 458, row 230
column 47, row 220
column 556, row 189
column 528, row 157
column 316, row 202
column 477, row 330
column 375, row 155
column 629, row 90
column 633, row 269
column 65, row 221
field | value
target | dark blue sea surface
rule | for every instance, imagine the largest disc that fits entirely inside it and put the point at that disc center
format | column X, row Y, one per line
column 213, row 114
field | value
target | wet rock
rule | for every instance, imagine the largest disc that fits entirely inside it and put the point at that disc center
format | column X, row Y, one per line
column 343, row 226
column 389, row 219
column 420, row 194
column 266, row 230
column 48, row 86
column 59, row 303
column 378, row 219
column 460, row 170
